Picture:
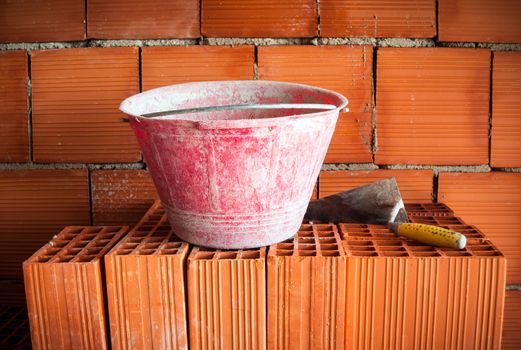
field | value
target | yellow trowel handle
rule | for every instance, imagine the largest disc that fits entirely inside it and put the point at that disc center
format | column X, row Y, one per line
column 431, row 235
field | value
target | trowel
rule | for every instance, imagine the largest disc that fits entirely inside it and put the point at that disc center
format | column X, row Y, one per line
column 380, row 203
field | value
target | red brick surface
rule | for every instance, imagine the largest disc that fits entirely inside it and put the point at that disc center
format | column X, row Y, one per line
column 492, row 202
column 14, row 136
column 479, row 20
column 134, row 19
column 347, row 70
column 378, row 18
column 432, row 106
column 251, row 18
column 120, row 196
column 415, row 185
column 506, row 110
column 34, row 205
column 76, row 94
column 42, row 20
column 173, row 65
column 512, row 321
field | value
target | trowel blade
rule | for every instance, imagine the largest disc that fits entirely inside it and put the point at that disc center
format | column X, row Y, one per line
column 379, row 202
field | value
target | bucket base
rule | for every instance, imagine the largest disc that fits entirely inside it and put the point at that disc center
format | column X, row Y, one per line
column 236, row 231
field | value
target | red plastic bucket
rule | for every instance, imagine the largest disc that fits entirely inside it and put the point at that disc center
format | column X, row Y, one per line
column 235, row 178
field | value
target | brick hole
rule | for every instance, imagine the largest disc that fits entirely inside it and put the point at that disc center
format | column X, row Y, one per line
column 204, row 255
column 362, row 248
column 289, row 240
column 328, row 247
column 304, row 240
column 253, row 254
column 326, row 240
column 146, row 227
column 481, row 247
column 393, row 254
column 75, row 230
column 364, row 253
column 360, row 243
column 107, row 235
column 59, row 243
column 86, row 236
column 331, row 253
column 51, row 251
column 72, row 251
column 226, row 255
column 168, row 251
column 163, row 229
column 285, row 246
column 159, row 234
column 155, row 217
column 65, row 258
column 43, row 258
column 93, row 250
column 326, row 233
column 139, row 234
column 80, row 244
column 325, row 227
column 283, row 252
column 486, row 253
column 358, row 234
column 391, row 249
column 124, row 251
column 86, row 258
column 306, row 228
column 421, row 248
column 92, row 230
column 305, row 234
column 150, row 245
column 153, row 239
column 101, row 243
column 456, row 253
column 68, row 236
column 425, row 253
column 306, row 247
column 146, row 251
column 172, row 245
column 389, row 243
column 307, row 253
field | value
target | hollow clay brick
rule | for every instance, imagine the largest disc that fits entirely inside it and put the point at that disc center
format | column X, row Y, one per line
column 250, row 18
column 306, row 290
column 134, row 19
column 407, row 295
column 75, row 95
column 42, row 20
column 120, row 196
column 479, row 21
column 432, row 106
column 227, row 299
column 347, row 70
column 492, row 202
column 182, row 64
column 512, row 322
column 415, row 185
column 14, row 328
column 34, row 205
column 145, row 275
column 14, row 135
column 505, row 149
column 64, row 288
column 378, row 18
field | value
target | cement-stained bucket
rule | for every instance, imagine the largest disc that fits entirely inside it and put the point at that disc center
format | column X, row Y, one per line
column 234, row 177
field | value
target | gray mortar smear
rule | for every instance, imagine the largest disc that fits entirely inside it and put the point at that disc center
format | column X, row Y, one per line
column 70, row 166
column 351, row 166
column 441, row 168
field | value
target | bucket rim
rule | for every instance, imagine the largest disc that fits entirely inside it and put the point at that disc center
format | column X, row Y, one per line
column 126, row 105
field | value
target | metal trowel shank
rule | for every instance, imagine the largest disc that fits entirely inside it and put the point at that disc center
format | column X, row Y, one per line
column 376, row 203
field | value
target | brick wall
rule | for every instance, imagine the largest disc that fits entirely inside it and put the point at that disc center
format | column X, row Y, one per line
column 434, row 90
